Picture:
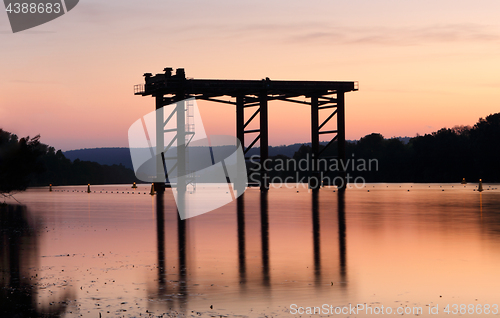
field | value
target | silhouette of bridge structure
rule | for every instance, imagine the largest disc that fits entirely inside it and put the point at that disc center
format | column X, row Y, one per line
column 253, row 96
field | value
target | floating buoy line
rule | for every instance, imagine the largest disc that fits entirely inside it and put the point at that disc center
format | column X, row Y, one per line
column 478, row 188
column 117, row 191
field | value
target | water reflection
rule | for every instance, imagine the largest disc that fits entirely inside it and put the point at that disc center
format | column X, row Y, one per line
column 18, row 281
column 172, row 291
column 481, row 204
column 316, row 231
column 160, row 241
column 316, row 237
column 240, row 214
column 263, row 252
column 342, row 236
column 180, row 275
column 182, row 251
column 264, row 236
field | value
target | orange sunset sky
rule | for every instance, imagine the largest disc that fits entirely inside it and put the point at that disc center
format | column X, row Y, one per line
column 421, row 65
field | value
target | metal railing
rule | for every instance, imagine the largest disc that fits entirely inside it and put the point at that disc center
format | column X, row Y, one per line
column 139, row 89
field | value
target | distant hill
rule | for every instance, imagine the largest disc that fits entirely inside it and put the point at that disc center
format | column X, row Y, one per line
column 103, row 156
column 446, row 155
column 404, row 139
column 111, row 156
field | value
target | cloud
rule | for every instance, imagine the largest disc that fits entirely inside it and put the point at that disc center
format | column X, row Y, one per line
column 401, row 36
column 307, row 33
column 18, row 81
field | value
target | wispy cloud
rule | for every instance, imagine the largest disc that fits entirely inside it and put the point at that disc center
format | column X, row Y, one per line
column 401, row 36
column 319, row 34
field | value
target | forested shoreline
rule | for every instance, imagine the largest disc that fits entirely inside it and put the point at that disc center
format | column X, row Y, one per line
column 26, row 162
column 447, row 155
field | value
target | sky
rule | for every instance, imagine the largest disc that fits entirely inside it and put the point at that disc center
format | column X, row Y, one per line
column 421, row 65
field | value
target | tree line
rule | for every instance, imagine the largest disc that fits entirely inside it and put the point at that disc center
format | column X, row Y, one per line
column 27, row 162
column 447, row 155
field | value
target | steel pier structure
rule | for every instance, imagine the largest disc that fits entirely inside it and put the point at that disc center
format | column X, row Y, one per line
column 253, row 96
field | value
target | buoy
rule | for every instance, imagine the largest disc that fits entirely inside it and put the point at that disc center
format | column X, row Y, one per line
column 463, row 181
column 134, row 186
column 152, row 189
column 50, row 187
column 480, row 189
column 88, row 188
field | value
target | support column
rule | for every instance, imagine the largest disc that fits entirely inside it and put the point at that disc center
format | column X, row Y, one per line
column 314, row 181
column 160, row 145
column 240, row 120
column 341, row 136
column 181, row 146
column 180, row 95
column 240, row 130
column 264, row 141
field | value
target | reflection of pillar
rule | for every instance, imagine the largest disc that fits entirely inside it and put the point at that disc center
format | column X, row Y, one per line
column 342, row 235
column 181, row 241
column 341, row 136
column 314, row 182
column 264, row 233
column 160, row 238
column 316, row 236
column 264, row 141
column 160, row 144
column 165, row 287
column 241, row 238
column 18, row 282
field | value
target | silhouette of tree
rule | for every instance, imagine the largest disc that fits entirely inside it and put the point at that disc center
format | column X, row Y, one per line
column 447, row 155
column 485, row 137
column 27, row 162
column 19, row 161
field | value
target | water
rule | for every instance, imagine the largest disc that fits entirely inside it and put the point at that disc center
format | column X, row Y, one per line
column 81, row 254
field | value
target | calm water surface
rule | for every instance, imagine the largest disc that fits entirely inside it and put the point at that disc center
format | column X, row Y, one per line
column 81, row 254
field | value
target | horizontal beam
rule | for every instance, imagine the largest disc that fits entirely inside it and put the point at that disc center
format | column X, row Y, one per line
column 252, row 104
column 328, row 132
column 326, row 107
column 327, row 99
column 294, row 101
column 216, row 100
column 325, row 102
column 161, row 84
column 251, row 131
